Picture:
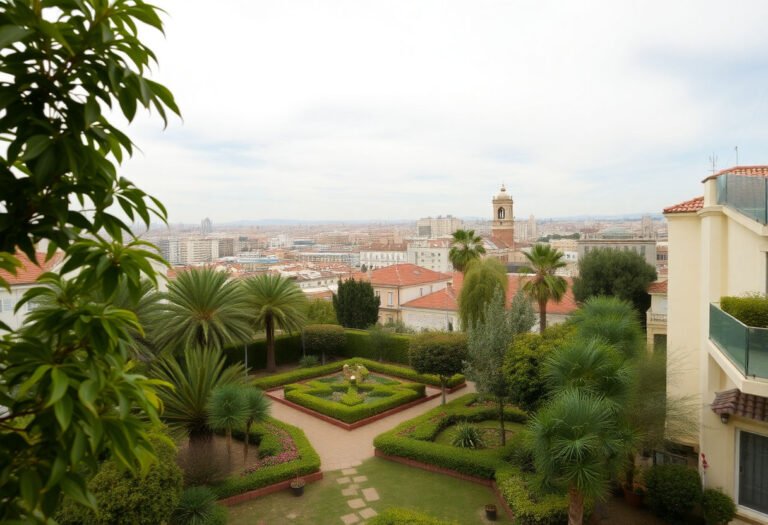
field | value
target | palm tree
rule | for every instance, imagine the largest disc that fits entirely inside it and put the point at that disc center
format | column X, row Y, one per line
column 275, row 302
column 204, row 309
column 465, row 248
column 147, row 306
column 258, row 406
column 227, row 410
column 544, row 285
column 190, row 382
column 613, row 320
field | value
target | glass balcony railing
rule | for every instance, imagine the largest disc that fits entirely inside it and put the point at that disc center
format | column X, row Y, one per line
column 745, row 346
column 747, row 195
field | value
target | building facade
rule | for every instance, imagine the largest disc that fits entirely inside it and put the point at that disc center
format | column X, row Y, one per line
column 401, row 283
column 433, row 227
column 503, row 225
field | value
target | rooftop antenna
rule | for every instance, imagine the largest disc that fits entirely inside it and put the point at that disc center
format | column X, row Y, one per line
column 737, row 154
column 713, row 161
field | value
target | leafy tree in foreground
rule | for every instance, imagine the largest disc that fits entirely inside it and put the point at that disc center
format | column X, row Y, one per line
column 441, row 354
column 356, row 305
column 68, row 394
column 276, row 303
column 487, row 342
column 543, row 285
column 466, row 247
column 615, row 273
column 481, row 282
column 320, row 311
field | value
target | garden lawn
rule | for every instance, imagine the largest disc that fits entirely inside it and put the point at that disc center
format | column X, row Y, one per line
column 397, row 485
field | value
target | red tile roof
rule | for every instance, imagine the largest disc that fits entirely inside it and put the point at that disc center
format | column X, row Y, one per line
column 447, row 299
column 29, row 270
column 405, row 275
column 746, row 171
column 692, row 205
column 659, row 287
column 736, row 402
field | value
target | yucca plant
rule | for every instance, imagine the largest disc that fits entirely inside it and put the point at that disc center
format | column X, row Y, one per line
column 258, row 407
column 198, row 506
column 466, row 435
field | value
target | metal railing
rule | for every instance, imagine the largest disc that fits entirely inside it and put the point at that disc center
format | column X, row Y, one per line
column 747, row 195
column 657, row 318
column 745, row 346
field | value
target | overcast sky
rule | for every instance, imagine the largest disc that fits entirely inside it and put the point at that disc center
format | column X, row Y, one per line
column 360, row 109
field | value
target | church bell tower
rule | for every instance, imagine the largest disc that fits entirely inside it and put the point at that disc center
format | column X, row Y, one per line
column 503, row 223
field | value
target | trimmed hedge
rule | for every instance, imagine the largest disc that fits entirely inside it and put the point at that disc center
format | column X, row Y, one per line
column 528, row 507
column 288, row 350
column 305, row 394
column 752, row 310
column 326, row 339
column 401, row 516
column 307, row 463
column 359, row 345
column 673, row 490
column 265, row 383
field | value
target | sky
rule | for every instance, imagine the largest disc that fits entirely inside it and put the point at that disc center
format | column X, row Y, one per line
column 394, row 110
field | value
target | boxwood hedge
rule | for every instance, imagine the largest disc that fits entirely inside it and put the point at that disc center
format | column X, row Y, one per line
column 400, row 516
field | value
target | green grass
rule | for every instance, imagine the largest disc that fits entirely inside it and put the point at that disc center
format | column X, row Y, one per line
column 398, row 485
column 490, row 432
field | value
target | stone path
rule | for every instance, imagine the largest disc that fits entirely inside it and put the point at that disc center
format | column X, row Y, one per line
column 359, row 497
column 339, row 448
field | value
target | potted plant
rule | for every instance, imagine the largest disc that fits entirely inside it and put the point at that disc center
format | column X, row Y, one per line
column 297, row 486
column 491, row 512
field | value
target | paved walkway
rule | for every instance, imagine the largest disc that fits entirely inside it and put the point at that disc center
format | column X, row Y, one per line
column 339, row 448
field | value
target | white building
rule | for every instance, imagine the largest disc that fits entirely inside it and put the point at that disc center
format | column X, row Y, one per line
column 433, row 227
column 433, row 254
column 380, row 256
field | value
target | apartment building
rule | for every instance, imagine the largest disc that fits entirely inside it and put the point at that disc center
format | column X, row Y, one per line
column 433, row 227
column 378, row 256
column 400, row 283
column 718, row 246
column 432, row 254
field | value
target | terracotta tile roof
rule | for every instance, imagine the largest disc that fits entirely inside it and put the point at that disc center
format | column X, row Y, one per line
column 406, row 275
column 447, row 299
column 30, row 271
column 692, row 205
column 659, row 287
column 746, row 171
column 736, row 403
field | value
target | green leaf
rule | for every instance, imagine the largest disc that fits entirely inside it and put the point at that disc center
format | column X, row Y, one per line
column 30, row 485
column 60, row 383
column 34, row 379
column 35, row 146
column 88, row 392
column 74, row 487
column 12, row 34
column 63, row 411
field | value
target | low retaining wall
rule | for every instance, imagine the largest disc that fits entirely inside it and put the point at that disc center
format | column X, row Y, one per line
column 269, row 489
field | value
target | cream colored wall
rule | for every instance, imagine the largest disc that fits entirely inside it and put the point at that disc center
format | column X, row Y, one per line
column 419, row 319
column 745, row 260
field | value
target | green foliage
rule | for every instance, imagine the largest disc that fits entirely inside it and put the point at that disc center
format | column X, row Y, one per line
column 309, row 361
column 320, row 311
column 673, row 490
column 466, row 435
column 615, row 273
column 198, row 507
column 752, row 309
column 397, row 326
column 324, row 339
column 391, row 347
column 67, row 391
column 557, row 237
column 400, row 516
column 379, row 340
column 124, row 498
column 718, row 508
column 466, row 248
column 227, row 409
column 521, row 314
column 613, row 320
column 188, row 384
column 523, row 364
column 544, row 286
column 307, row 462
column 203, row 309
column 529, row 505
column 288, row 350
column 355, row 303
column 481, row 282
column 439, row 353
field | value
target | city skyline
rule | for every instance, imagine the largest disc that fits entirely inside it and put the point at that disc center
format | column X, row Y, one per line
column 380, row 110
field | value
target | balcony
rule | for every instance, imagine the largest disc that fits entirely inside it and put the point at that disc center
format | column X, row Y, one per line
column 745, row 346
column 656, row 318
column 747, row 195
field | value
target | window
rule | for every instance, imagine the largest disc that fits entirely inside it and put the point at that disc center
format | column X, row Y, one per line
column 753, row 471
column 501, row 214
column 390, row 299
column 8, row 305
column 421, row 292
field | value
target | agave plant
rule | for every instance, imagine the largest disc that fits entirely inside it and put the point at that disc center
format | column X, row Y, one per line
column 466, row 435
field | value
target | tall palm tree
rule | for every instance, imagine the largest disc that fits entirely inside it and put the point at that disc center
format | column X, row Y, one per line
column 577, row 445
column 275, row 302
column 204, row 309
column 544, row 285
column 465, row 248
column 613, row 320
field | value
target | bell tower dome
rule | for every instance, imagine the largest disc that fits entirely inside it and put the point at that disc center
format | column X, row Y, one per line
column 503, row 218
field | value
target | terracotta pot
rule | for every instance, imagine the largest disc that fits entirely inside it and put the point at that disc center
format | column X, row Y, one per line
column 491, row 512
column 632, row 498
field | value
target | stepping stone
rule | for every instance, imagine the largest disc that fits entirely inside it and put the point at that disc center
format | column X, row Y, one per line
column 356, row 503
column 343, row 480
column 348, row 471
column 349, row 491
column 349, row 519
column 360, row 479
column 370, row 495
column 353, row 486
column 292, row 516
column 368, row 513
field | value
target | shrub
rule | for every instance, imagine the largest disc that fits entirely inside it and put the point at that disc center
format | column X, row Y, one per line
column 359, row 344
column 752, row 309
column 123, row 498
column 400, row 516
column 718, row 508
column 439, row 353
column 198, row 507
column 673, row 490
column 528, row 506
column 309, row 361
column 324, row 339
column 288, row 350
column 466, row 435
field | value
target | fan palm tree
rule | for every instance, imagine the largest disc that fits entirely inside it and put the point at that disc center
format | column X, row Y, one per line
column 275, row 302
column 465, row 248
column 147, row 306
column 544, row 285
column 204, row 309
column 227, row 410
column 191, row 381
column 613, row 320
column 258, row 406
column 577, row 445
